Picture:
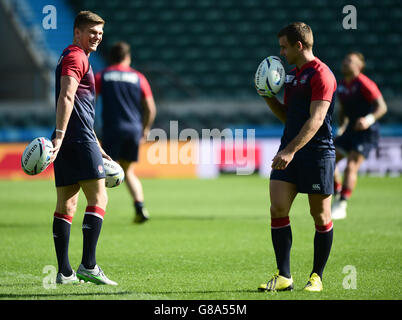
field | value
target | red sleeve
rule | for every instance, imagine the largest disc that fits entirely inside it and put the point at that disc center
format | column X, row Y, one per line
column 369, row 89
column 323, row 85
column 75, row 64
column 98, row 82
column 145, row 87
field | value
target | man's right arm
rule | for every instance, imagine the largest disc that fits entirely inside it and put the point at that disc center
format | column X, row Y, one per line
column 65, row 105
column 278, row 109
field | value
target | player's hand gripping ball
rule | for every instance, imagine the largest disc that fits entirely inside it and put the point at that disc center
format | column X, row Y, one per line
column 269, row 77
column 36, row 156
column 114, row 173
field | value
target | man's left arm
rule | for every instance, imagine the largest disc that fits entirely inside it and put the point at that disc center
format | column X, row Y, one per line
column 149, row 115
column 148, row 105
column 318, row 111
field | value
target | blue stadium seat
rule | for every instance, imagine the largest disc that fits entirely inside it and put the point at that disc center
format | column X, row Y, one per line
column 207, row 40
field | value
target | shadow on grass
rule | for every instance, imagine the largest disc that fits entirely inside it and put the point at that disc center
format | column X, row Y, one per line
column 117, row 293
column 61, row 294
column 22, row 225
column 201, row 291
column 217, row 217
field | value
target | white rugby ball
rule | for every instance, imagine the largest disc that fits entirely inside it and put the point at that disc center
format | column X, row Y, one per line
column 114, row 173
column 270, row 75
column 36, row 156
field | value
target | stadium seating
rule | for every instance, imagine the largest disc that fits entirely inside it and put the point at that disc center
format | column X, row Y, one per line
column 209, row 49
column 213, row 47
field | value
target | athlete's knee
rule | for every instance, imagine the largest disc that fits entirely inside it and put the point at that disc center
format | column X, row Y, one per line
column 320, row 208
column 352, row 167
column 322, row 215
column 67, row 207
column 99, row 199
column 102, row 198
column 278, row 211
column 354, row 160
column 322, row 218
column 129, row 173
column 95, row 192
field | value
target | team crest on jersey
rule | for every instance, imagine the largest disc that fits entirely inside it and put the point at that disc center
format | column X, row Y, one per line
column 289, row 78
column 303, row 79
column 100, row 168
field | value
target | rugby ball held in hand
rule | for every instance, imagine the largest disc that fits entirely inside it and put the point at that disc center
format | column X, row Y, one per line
column 36, row 156
column 270, row 76
column 114, row 173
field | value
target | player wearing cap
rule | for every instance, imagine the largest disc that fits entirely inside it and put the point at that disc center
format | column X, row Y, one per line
column 77, row 154
column 305, row 160
column 128, row 113
column 361, row 105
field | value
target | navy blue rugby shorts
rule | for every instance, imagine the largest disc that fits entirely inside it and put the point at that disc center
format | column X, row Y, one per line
column 310, row 175
column 362, row 144
column 78, row 161
column 124, row 148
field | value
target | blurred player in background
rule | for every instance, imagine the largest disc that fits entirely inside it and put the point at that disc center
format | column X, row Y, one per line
column 361, row 105
column 127, row 115
column 77, row 154
column 305, row 161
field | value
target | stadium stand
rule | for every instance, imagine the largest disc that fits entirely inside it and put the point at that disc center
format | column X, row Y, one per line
column 214, row 46
column 200, row 56
column 28, row 63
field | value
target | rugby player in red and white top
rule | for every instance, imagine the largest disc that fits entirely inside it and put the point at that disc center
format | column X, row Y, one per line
column 361, row 105
column 77, row 154
column 305, row 161
column 128, row 113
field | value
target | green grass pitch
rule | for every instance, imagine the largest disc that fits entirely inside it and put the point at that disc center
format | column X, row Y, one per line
column 207, row 240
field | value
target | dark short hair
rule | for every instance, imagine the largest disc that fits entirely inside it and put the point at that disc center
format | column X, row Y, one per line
column 119, row 51
column 85, row 18
column 298, row 31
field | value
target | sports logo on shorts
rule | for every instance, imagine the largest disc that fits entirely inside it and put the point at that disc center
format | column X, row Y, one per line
column 100, row 168
column 316, row 186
